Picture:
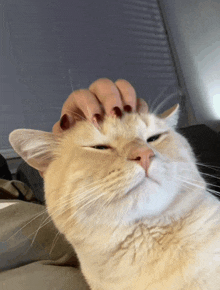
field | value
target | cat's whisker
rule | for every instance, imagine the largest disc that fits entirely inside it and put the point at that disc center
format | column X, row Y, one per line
column 161, row 94
column 210, row 175
column 187, row 187
column 161, row 105
column 188, row 182
column 207, row 189
column 107, row 201
column 37, row 231
column 213, row 176
column 81, row 201
column 196, row 185
column 208, row 166
column 213, row 191
column 28, row 223
column 54, row 242
column 86, row 195
column 158, row 98
column 79, row 198
column 207, row 183
column 83, row 190
column 98, row 182
column 90, row 201
column 77, row 202
column 190, row 178
column 34, row 218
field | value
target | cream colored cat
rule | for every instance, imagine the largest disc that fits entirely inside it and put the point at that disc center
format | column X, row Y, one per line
column 130, row 200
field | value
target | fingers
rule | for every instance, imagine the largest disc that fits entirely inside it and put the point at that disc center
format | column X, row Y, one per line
column 108, row 95
column 128, row 95
column 81, row 104
column 87, row 104
column 102, row 97
column 113, row 96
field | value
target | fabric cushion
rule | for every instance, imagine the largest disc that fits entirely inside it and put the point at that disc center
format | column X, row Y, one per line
column 33, row 254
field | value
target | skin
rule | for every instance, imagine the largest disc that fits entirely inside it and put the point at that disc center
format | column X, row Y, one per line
column 102, row 97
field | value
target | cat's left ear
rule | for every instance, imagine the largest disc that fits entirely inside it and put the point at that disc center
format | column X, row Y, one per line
column 35, row 147
column 171, row 116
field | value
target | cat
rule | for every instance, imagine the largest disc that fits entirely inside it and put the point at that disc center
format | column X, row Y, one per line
column 129, row 198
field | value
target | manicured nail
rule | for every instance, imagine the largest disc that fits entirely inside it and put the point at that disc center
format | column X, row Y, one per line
column 65, row 122
column 116, row 112
column 127, row 108
column 98, row 118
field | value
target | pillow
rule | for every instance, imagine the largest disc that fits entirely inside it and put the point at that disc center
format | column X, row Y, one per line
column 33, row 254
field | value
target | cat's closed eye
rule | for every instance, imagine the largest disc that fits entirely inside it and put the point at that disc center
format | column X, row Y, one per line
column 105, row 147
column 101, row 147
column 153, row 138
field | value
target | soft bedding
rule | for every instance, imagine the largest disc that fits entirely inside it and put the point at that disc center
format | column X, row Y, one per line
column 32, row 257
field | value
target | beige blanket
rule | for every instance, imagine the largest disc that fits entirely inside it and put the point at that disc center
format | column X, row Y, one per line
column 33, row 255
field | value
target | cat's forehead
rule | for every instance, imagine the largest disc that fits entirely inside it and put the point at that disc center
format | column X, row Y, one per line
column 130, row 126
column 133, row 125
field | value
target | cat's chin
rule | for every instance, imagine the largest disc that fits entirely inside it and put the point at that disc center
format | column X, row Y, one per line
column 145, row 184
column 149, row 198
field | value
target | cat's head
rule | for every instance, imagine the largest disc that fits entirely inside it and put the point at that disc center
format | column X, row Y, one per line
column 131, row 167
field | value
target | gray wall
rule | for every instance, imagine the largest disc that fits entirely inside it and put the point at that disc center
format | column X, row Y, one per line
column 50, row 48
column 194, row 30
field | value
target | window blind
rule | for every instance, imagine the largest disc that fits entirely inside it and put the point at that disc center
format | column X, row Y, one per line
column 50, row 48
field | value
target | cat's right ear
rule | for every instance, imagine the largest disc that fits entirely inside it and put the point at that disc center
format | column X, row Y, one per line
column 35, row 147
column 171, row 116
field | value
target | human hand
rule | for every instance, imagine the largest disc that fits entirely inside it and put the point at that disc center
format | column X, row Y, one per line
column 103, row 97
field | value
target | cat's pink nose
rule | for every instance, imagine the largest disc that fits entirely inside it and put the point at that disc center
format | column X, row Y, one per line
column 143, row 156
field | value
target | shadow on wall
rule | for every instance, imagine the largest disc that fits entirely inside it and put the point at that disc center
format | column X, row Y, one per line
column 194, row 30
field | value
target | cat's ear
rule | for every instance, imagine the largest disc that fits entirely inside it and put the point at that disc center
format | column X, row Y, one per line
column 171, row 116
column 142, row 106
column 35, row 147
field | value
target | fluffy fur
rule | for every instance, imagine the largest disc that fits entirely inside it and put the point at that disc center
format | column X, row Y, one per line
column 130, row 231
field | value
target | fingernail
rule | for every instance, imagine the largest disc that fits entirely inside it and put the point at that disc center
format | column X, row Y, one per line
column 116, row 112
column 65, row 122
column 127, row 108
column 97, row 118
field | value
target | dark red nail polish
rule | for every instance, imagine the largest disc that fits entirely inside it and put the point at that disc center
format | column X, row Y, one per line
column 65, row 122
column 127, row 108
column 98, row 118
column 117, row 111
